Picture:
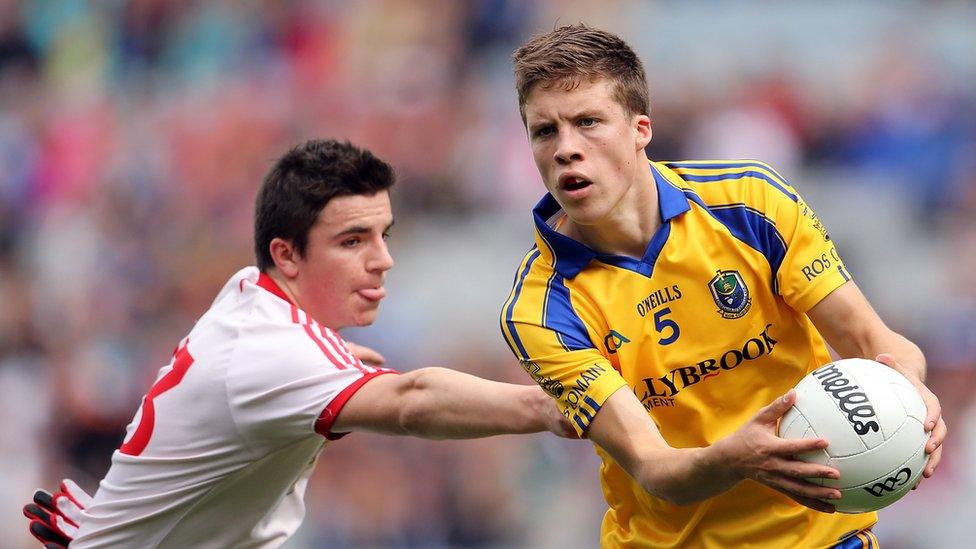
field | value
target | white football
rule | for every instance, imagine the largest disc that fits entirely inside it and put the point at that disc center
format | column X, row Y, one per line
column 872, row 418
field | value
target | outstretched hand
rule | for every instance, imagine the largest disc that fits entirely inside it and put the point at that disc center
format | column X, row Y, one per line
column 555, row 422
column 755, row 452
column 54, row 518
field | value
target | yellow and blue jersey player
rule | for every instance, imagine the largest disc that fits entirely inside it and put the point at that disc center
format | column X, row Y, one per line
column 670, row 307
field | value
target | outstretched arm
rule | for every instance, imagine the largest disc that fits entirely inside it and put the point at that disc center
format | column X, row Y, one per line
column 441, row 403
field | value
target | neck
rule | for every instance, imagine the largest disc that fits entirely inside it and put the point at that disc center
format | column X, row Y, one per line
column 629, row 227
column 285, row 286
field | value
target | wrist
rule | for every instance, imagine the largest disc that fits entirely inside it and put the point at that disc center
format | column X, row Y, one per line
column 716, row 461
column 538, row 403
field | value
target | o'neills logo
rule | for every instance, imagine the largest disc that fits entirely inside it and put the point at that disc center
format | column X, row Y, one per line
column 850, row 400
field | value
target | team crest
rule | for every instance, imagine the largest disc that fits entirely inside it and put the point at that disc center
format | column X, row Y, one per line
column 730, row 294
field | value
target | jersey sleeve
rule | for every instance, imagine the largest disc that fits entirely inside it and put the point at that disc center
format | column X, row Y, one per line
column 291, row 382
column 811, row 267
column 553, row 345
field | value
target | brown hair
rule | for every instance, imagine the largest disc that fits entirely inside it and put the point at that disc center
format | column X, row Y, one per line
column 302, row 182
column 571, row 53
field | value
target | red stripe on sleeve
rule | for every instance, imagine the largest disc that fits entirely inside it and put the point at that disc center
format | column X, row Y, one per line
column 333, row 357
column 323, row 425
column 338, row 343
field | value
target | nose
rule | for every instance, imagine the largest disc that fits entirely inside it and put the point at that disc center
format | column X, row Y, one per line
column 568, row 148
column 380, row 261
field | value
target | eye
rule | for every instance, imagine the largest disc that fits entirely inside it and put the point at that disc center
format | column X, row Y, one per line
column 588, row 122
column 543, row 131
column 386, row 236
column 351, row 242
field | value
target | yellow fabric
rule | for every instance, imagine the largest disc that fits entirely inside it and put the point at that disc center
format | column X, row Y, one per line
column 583, row 325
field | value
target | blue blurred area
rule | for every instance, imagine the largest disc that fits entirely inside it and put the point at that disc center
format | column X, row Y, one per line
column 133, row 136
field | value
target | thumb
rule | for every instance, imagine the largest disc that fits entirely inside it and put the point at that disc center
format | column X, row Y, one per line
column 775, row 409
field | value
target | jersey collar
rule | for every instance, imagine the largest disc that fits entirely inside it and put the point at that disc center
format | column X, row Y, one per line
column 571, row 256
column 269, row 284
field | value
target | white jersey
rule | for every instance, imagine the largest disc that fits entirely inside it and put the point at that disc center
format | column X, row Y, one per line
column 221, row 449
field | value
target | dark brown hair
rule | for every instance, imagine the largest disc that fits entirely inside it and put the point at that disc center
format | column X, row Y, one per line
column 302, row 182
column 571, row 53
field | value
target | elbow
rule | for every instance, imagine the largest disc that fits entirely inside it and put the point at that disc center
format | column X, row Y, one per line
column 664, row 486
column 674, row 495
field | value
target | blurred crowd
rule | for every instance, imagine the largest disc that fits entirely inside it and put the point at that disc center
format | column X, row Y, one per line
column 134, row 134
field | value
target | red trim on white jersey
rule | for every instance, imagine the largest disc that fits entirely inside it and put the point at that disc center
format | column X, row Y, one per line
column 327, row 349
column 269, row 284
column 323, row 425
column 340, row 345
column 333, row 350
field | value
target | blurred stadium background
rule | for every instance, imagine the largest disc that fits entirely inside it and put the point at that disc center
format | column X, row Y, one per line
column 133, row 136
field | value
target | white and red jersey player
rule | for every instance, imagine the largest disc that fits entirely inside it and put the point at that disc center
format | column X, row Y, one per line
column 221, row 449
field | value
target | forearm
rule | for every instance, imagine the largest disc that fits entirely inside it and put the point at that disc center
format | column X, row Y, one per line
column 678, row 475
column 906, row 353
column 445, row 404
column 853, row 328
column 684, row 476
column 880, row 340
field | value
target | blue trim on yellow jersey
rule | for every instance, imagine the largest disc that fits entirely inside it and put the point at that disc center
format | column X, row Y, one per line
column 561, row 317
column 756, row 230
column 737, row 175
column 671, row 201
column 571, row 256
column 584, row 425
column 511, row 306
column 645, row 265
column 862, row 539
column 751, row 227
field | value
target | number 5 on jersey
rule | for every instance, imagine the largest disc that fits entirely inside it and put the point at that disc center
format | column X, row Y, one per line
column 666, row 325
column 140, row 437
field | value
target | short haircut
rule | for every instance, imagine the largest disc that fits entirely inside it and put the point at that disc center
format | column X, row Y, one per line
column 571, row 53
column 302, row 182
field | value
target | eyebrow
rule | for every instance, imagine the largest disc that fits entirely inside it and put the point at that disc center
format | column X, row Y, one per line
column 359, row 229
column 590, row 112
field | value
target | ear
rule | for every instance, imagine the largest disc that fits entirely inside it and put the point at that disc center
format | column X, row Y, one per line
column 642, row 128
column 285, row 256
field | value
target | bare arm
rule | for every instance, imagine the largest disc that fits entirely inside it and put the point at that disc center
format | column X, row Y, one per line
column 852, row 327
column 689, row 475
column 440, row 403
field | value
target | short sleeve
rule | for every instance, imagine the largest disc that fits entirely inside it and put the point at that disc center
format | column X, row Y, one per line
column 553, row 345
column 290, row 382
column 811, row 267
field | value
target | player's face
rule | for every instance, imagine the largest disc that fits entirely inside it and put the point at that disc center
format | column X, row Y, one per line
column 340, row 277
column 587, row 147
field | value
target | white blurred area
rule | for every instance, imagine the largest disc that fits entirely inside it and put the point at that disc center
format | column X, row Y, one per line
column 133, row 136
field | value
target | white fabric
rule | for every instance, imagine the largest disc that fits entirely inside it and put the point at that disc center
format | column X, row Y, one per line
column 70, row 502
column 234, row 442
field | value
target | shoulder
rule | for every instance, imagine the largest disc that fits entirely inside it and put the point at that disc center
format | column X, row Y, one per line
column 270, row 332
column 719, row 182
column 533, row 280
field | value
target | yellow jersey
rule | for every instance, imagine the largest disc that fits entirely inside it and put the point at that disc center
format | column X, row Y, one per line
column 705, row 329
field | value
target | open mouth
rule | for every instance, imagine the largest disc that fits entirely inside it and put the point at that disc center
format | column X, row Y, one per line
column 574, row 183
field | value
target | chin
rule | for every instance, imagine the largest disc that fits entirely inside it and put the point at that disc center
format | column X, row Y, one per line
column 366, row 318
column 584, row 215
